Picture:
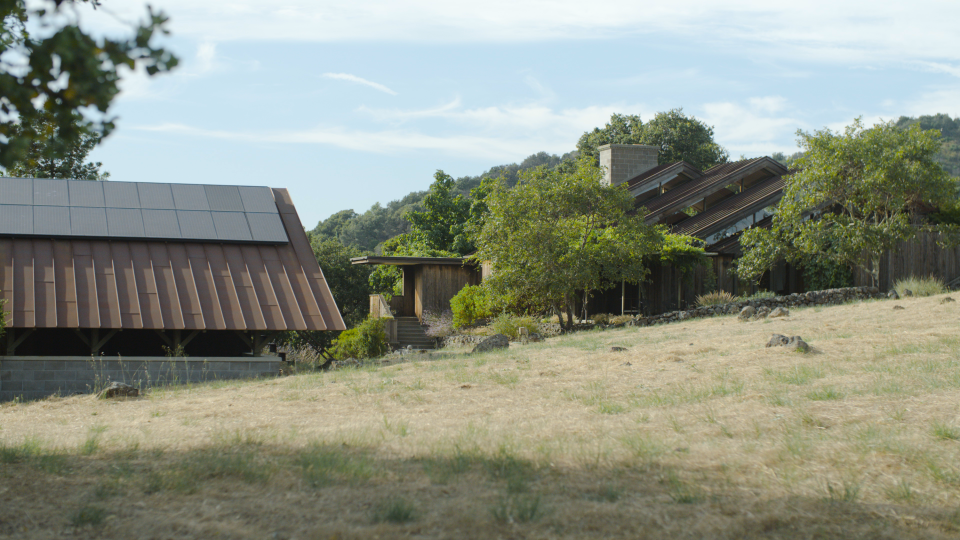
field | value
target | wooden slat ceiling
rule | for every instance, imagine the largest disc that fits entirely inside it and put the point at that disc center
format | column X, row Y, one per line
column 143, row 284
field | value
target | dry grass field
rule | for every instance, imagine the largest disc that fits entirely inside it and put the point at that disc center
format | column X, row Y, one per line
column 695, row 431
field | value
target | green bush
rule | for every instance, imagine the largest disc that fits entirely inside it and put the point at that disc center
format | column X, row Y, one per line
column 920, row 286
column 760, row 295
column 819, row 275
column 369, row 340
column 510, row 325
column 715, row 298
column 470, row 304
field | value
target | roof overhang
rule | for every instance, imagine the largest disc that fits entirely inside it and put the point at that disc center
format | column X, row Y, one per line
column 410, row 261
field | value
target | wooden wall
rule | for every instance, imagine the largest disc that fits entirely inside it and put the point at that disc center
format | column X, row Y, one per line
column 919, row 256
column 437, row 284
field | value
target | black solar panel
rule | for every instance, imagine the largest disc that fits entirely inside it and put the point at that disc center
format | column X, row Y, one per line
column 45, row 207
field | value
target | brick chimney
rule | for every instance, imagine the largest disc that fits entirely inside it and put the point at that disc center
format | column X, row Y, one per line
column 622, row 162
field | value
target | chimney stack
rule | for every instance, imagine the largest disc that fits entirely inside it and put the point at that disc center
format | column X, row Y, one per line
column 622, row 162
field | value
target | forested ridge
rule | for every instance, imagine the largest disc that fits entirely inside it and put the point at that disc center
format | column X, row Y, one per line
column 365, row 231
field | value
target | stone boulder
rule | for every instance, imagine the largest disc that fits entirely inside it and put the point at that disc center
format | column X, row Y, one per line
column 907, row 293
column 893, row 295
column 898, row 307
column 496, row 341
column 779, row 312
column 947, row 300
column 793, row 342
column 617, row 349
column 747, row 313
column 118, row 389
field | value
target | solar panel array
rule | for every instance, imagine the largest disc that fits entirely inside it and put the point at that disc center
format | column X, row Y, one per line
column 84, row 208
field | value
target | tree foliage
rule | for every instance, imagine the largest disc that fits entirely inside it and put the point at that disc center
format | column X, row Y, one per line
column 557, row 234
column 50, row 156
column 858, row 193
column 442, row 223
column 348, row 282
column 678, row 136
column 62, row 70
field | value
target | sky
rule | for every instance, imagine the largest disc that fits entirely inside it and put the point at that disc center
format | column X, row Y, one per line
column 347, row 104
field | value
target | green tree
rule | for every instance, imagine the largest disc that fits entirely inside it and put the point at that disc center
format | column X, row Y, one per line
column 441, row 225
column 53, row 157
column 63, row 70
column 348, row 282
column 557, row 234
column 678, row 136
column 857, row 194
column 333, row 226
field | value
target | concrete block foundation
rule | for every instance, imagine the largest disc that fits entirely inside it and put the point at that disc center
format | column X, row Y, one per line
column 37, row 377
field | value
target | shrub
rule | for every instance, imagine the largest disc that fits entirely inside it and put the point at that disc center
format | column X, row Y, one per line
column 470, row 304
column 602, row 318
column 715, row 298
column 369, row 340
column 760, row 295
column 510, row 325
column 621, row 319
column 438, row 326
column 920, row 286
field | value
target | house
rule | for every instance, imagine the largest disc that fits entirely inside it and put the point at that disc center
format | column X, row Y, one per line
column 429, row 283
column 715, row 206
column 152, row 281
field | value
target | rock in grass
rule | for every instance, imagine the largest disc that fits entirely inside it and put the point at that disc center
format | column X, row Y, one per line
column 793, row 342
column 496, row 341
column 907, row 293
column 893, row 295
column 617, row 349
column 118, row 389
column 898, row 307
column 779, row 312
column 747, row 313
column 947, row 300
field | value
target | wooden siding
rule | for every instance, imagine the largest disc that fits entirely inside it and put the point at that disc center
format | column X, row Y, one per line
column 919, row 256
column 435, row 285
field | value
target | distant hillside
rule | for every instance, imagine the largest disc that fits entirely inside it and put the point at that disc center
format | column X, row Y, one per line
column 949, row 128
column 367, row 230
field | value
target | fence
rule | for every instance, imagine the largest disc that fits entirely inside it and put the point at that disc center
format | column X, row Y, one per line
column 922, row 255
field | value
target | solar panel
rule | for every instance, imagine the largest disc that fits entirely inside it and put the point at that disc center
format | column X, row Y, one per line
column 189, row 197
column 88, row 221
column 155, row 196
column 257, row 199
column 85, row 193
column 16, row 190
column 50, row 192
column 121, row 195
column 160, row 224
column 196, row 225
column 224, row 198
column 16, row 219
column 125, row 222
column 64, row 208
column 267, row 228
column 231, row 226
column 52, row 220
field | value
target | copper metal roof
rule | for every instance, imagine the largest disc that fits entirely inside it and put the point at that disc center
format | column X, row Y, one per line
column 59, row 282
column 728, row 210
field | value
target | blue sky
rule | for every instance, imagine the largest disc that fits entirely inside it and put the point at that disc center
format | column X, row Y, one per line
column 348, row 105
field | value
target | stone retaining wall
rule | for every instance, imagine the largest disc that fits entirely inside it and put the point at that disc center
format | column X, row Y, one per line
column 795, row 300
column 35, row 377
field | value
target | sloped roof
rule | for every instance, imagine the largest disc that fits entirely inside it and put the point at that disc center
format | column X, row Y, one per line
column 64, row 280
column 728, row 210
column 712, row 180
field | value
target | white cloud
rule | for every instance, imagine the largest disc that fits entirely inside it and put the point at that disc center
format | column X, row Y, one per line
column 941, row 100
column 496, row 133
column 359, row 80
column 762, row 126
column 832, row 30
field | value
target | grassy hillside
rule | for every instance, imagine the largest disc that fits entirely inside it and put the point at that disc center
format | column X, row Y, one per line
column 695, row 431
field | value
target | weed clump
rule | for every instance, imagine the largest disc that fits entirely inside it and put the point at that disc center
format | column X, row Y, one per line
column 395, row 510
column 920, row 286
column 715, row 298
